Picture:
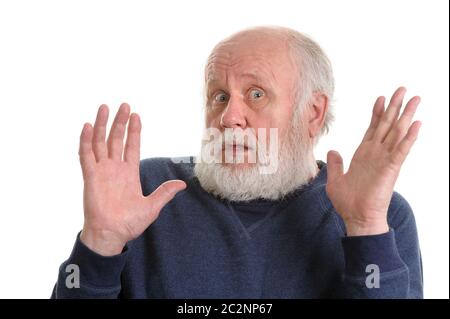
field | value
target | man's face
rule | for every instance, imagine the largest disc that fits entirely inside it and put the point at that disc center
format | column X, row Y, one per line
column 250, row 83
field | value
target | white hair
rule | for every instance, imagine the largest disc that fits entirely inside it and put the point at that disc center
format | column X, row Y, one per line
column 316, row 74
column 296, row 168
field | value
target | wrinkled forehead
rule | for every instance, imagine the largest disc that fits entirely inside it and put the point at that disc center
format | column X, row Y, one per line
column 256, row 58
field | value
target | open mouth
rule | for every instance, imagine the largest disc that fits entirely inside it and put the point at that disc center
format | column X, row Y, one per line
column 235, row 148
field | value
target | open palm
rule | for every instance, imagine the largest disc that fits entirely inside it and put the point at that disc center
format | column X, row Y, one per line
column 362, row 195
column 115, row 211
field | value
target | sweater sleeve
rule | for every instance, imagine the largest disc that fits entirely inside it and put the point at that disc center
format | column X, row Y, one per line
column 87, row 274
column 387, row 265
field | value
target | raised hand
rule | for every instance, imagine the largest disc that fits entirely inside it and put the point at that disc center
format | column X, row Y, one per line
column 115, row 211
column 362, row 195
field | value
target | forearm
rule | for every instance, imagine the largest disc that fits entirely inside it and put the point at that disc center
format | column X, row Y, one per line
column 374, row 269
column 87, row 274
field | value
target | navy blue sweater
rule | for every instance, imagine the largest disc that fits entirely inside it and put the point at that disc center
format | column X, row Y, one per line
column 204, row 247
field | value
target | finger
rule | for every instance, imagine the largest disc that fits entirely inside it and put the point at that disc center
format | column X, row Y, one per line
column 335, row 165
column 401, row 127
column 98, row 140
column 164, row 193
column 87, row 157
column 115, row 138
column 377, row 113
column 391, row 115
column 133, row 143
column 402, row 150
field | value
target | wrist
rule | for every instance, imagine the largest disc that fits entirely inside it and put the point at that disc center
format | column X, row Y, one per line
column 358, row 228
column 103, row 243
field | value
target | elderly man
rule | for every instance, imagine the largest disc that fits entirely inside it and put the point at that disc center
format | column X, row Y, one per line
column 301, row 228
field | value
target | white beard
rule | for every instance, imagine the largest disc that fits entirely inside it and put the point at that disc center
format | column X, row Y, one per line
column 296, row 167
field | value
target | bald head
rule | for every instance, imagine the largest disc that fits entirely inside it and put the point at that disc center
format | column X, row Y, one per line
column 256, row 48
column 268, row 39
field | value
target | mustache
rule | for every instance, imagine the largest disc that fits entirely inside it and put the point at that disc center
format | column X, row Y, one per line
column 230, row 145
column 233, row 144
column 240, row 139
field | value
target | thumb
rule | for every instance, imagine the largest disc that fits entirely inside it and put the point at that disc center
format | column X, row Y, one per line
column 335, row 165
column 164, row 193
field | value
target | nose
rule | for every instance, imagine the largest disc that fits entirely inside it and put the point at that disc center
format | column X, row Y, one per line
column 233, row 115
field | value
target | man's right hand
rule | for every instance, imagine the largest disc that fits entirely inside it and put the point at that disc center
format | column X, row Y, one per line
column 115, row 211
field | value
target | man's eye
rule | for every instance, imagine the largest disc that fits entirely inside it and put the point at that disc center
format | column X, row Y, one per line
column 220, row 97
column 256, row 94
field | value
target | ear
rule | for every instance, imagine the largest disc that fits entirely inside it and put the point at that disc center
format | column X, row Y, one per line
column 318, row 108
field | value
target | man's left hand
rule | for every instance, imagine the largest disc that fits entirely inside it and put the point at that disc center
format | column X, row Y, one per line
column 363, row 194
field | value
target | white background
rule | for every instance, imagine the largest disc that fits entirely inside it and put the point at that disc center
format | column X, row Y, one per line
column 59, row 60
